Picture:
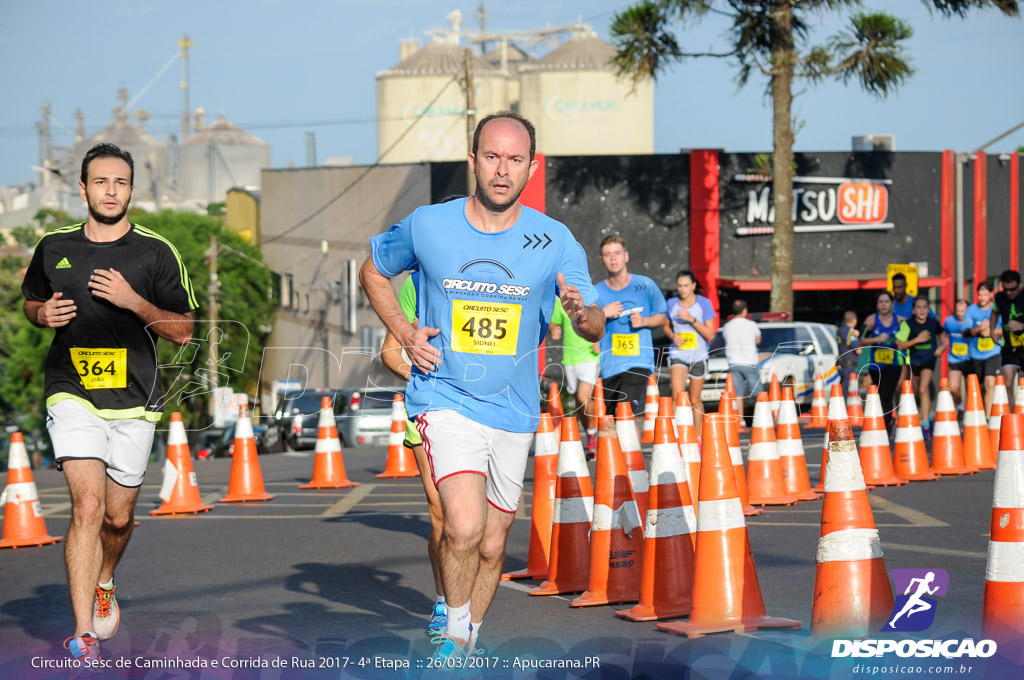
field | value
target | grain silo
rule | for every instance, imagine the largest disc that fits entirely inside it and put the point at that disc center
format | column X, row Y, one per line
column 508, row 58
column 579, row 105
column 428, row 85
column 218, row 158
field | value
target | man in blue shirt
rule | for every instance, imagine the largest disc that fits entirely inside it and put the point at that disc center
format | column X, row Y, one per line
column 490, row 269
column 632, row 305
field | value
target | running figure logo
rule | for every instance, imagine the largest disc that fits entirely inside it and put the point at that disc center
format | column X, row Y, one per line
column 914, row 609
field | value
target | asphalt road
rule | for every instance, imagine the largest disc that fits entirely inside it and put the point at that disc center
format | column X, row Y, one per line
column 333, row 578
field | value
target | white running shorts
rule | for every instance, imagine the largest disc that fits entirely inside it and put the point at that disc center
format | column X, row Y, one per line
column 123, row 445
column 574, row 375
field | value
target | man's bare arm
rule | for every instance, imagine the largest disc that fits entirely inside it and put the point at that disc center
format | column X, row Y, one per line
column 384, row 301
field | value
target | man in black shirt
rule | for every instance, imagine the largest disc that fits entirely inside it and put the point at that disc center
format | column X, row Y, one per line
column 109, row 288
column 1008, row 306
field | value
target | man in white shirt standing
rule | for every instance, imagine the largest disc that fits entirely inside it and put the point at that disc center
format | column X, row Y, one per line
column 741, row 337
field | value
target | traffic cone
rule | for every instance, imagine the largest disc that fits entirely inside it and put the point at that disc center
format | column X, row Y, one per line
column 650, row 409
column 180, row 491
column 836, row 413
column 1018, row 397
column 401, row 460
column 977, row 446
column 947, row 447
column 329, row 466
column 852, row 595
column 545, row 474
column 732, row 435
column 726, row 592
column 1000, row 407
column 23, row 514
column 791, row 450
column 616, row 547
column 600, row 407
column 875, row 454
column 246, row 482
column 735, row 403
column 569, row 561
column 854, row 407
column 819, row 408
column 686, row 436
column 1002, row 616
column 774, row 397
column 625, row 429
column 764, row 469
column 670, row 533
column 555, row 409
column 910, row 459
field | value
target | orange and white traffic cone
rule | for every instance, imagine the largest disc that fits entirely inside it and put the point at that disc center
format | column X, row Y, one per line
column 401, row 460
column 1002, row 616
column 735, row 403
column 616, row 547
column 732, row 438
column 836, row 413
column 910, row 459
column 1018, row 397
column 686, row 436
column 23, row 514
column 726, row 592
column 246, row 482
column 625, row 430
column 670, row 534
column 854, row 407
column 180, row 491
column 569, row 560
column 764, row 469
column 328, row 466
column 600, row 407
column 791, row 450
column 1000, row 407
column 650, row 409
column 852, row 595
column 978, row 450
column 545, row 474
column 555, row 409
column 775, row 397
column 875, row 454
column 947, row 447
column 819, row 407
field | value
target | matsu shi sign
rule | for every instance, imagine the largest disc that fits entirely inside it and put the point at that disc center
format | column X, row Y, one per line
column 819, row 204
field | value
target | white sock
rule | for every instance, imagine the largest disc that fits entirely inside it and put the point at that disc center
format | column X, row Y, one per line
column 438, row 599
column 592, row 432
column 474, row 634
column 458, row 622
column 108, row 585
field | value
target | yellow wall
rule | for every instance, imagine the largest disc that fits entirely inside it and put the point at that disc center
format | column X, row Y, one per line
column 242, row 214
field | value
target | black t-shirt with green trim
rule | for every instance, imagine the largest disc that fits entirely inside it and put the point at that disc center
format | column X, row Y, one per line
column 923, row 352
column 106, row 356
column 1010, row 310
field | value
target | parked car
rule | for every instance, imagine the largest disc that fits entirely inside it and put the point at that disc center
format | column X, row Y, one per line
column 224, row 445
column 362, row 416
column 298, row 416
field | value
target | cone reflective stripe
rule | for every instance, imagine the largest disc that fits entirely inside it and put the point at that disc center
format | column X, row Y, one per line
column 732, row 434
column 1002, row 615
column 625, row 430
column 616, row 544
column 1000, row 407
column 854, row 408
column 401, row 460
column 774, row 396
column 180, row 490
column 670, row 533
column 1018, row 397
column 555, row 409
column 910, row 459
column 791, row 450
column 726, row 592
column 819, row 407
column 650, row 408
column 764, row 469
column 947, row 447
column 329, row 466
column 978, row 449
column 246, row 476
column 23, row 514
column 836, row 413
column 600, row 408
column 545, row 475
column 569, row 560
column 852, row 595
column 686, row 435
column 875, row 455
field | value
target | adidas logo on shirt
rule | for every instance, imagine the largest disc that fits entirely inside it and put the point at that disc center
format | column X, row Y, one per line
column 64, row 264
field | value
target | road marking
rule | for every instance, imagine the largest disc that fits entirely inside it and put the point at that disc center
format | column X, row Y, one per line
column 525, row 588
column 56, row 508
column 349, row 501
column 914, row 517
column 935, row 551
column 211, row 497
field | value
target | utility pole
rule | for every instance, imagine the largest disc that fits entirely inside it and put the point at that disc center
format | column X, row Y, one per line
column 213, row 335
column 470, row 118
column 184, row 44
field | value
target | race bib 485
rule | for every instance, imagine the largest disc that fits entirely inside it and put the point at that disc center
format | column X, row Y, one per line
column 485, row 327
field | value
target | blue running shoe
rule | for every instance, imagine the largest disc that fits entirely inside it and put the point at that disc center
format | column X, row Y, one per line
column 449, row 660
column 82, row 646
column 438, row 619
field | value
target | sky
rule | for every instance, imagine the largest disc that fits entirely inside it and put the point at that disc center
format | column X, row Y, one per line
column 284, row 68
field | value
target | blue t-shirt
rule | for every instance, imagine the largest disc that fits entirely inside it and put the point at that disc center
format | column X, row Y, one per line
column 624, row 347
column 886, row 354
column 491, row 296
column 959, row 351
column 978, row 346
column 690, row 345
